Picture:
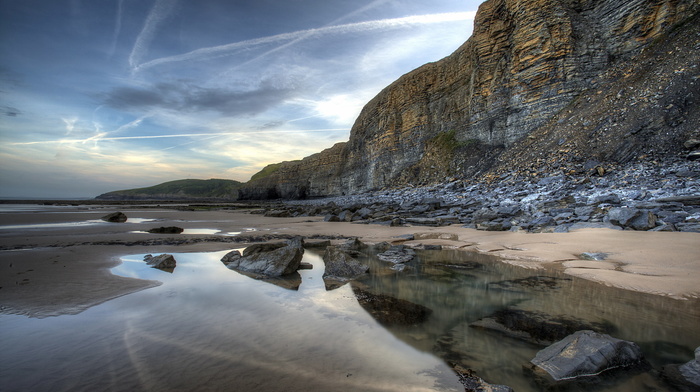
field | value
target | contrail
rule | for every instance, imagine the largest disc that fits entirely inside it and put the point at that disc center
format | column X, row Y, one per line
column 117, row 27
column 160, row 11
column 384, row 24
column 99, row 137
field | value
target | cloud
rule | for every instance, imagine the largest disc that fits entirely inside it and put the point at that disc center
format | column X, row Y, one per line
column 185, row 97
column 160, row 12
column 10, row 111
column 370, row 26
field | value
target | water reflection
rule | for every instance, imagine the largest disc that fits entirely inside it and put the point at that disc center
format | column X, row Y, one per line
column 461, row 288
column 207, row 327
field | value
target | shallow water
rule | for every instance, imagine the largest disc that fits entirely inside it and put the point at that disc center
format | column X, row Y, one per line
column 210, row 328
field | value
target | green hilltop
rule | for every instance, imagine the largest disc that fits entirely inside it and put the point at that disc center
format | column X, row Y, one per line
column 213, row 189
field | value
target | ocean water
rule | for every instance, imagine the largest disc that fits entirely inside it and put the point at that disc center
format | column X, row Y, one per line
column 210, row 328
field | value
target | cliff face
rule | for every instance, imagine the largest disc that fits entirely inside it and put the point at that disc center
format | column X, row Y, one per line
column 525, row 62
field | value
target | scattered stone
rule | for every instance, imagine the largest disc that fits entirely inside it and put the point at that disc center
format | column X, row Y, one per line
column 115, row 217
column 164, row 261
column 391, row 311
column 585, row 354
column 166, row 230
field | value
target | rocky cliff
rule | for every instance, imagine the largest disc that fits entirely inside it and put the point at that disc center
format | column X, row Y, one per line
column 539, row 81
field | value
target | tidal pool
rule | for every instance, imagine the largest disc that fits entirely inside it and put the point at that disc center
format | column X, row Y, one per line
column 210, row 328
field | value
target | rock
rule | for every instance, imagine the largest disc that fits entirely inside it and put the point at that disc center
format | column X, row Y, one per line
column 277, row 214
column 538, row 283
column 596, row 256
column 536, row 327
column 389, row 310
column 115, row 217
column 686, row 377
column 397, row 254
column 691, row 144
column 231, row 257
column 645, row 221
column 434, row 236
column 693, row 156
column 474, row 383
column 623, row 216
column 268, row 259
column 164, row 261
column 166, row 230
column 340, row 265
column 423, row 221
column 585, row 354
column 332, row 218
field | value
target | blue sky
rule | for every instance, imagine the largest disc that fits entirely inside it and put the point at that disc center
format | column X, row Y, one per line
column 101, row 95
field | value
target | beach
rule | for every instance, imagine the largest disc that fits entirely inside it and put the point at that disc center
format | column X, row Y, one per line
column 56, row 260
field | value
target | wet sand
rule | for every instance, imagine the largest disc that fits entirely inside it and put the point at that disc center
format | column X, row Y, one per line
column 63, row 268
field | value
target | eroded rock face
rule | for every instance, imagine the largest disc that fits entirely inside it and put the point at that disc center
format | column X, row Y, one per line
column 585, row 354
column 525, row 62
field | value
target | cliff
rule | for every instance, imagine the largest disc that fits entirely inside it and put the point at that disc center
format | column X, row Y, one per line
column 502, row 100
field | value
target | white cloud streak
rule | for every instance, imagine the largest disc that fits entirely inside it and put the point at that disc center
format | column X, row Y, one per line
column 229, row 49
column 159, row 13
column 102, row 136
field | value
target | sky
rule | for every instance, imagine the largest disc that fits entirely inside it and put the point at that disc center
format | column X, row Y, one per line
column 104, row 95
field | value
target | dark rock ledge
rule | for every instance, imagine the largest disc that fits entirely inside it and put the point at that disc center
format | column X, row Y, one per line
column 648, row 196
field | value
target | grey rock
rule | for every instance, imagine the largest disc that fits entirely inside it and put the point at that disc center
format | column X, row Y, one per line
column 585, row 354
column 331, row 218
column 269, row 259
column 164, row 261
column 623, row 216
column 277, row 214
column 166, row 230
column 115, row 217
column 397, row 254
column 340, row 265
column 474, row 383
column 597, row 256
column 691, row 370
column 645, row 221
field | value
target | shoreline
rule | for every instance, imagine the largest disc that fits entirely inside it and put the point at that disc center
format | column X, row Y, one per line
column 53, row 270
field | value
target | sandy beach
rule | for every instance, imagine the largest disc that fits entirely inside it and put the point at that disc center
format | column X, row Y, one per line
column 57, row 262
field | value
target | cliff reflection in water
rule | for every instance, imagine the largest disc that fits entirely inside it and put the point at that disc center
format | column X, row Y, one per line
column 460, row 288
column 207, row 327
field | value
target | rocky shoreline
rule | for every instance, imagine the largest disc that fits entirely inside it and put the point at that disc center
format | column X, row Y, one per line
column 647, row 196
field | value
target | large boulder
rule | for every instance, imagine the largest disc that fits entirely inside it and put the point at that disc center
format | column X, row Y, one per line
column 164, row 261
column 585, row 354
column 115, row 217
column 268, row 259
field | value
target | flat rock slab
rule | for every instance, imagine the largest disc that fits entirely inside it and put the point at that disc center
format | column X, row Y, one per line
column 585, row 354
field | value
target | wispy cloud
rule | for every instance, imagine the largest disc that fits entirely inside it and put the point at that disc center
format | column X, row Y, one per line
column 161, row 10
column 370, row 26
column 101, row 136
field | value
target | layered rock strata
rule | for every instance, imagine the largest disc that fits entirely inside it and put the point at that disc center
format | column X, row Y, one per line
column 526, row 62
